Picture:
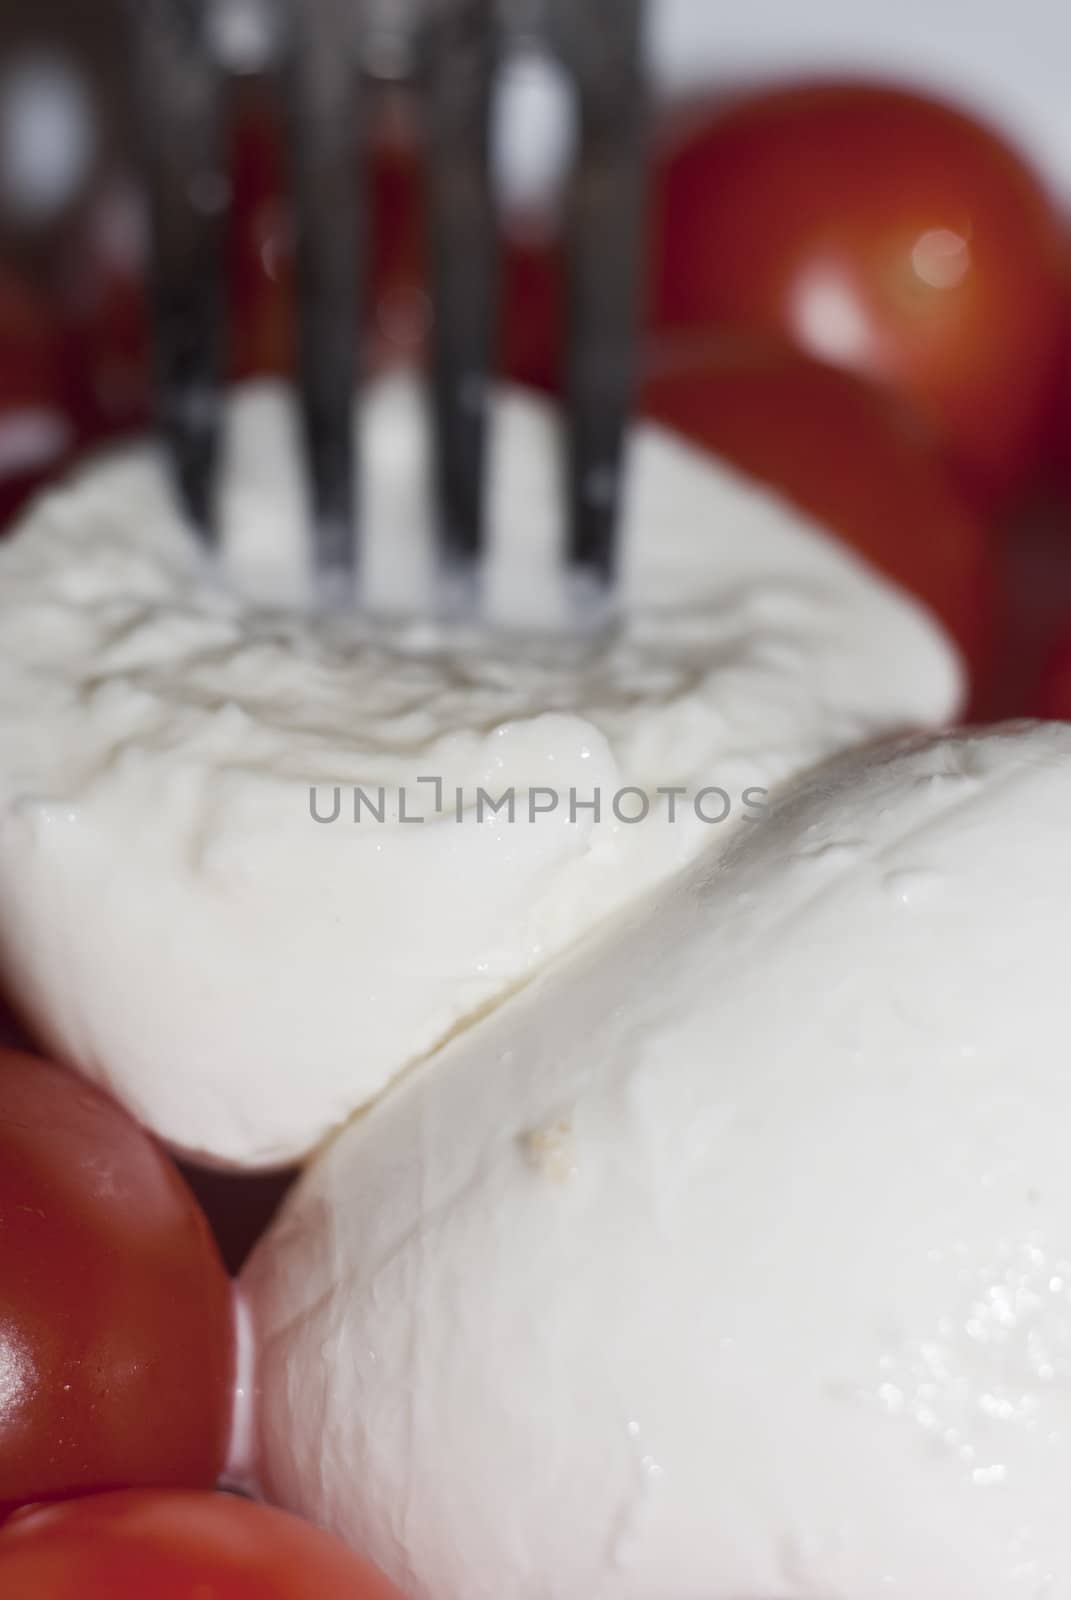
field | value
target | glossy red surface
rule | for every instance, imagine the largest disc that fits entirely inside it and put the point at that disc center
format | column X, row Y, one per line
column 173, row 1546
column 851, row 455
column 882, row 230
column 116, row 1339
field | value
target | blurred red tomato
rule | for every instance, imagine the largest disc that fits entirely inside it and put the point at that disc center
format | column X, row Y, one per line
column 31, row 368
column 177, row 1546
column 1053, row 697
column 106, row 315
column 532, row 307
column 35, row 428
column 398, row 307
column 1058, row 433
column 261, row 267
column 260, row 253
column 109, row 320
column 882, row 231
column 853, row 456
column 116, row 1337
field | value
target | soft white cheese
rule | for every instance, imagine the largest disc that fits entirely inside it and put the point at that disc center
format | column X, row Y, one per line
column 245, row 977
column 733, row 1258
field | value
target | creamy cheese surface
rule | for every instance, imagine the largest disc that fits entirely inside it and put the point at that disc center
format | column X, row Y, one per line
column 178, row 922
column 732, row 1259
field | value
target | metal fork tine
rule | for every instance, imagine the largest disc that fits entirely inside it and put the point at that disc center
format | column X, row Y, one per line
column 322, row 90
column 180, row 90
column 462, row 52
column 601, row 43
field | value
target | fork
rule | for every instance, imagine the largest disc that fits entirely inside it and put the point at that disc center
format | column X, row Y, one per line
column 327, row 84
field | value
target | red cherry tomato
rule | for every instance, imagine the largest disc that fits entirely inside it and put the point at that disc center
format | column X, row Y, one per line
column 1053, row 699
column 1058, row 433
column 855, row 457
column 31, row 371
column 852, row 456
column 885, row 232
column 35, row 428
column 116, row 1339
column 177, row 1546
column 261, row 264
column 107, row 318
column 532, row 305
column 260, row 253
column 108, row 322
column 398, row 307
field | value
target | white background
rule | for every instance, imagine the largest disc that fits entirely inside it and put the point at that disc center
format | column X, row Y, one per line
column 1010, row 60
column 1010, row 57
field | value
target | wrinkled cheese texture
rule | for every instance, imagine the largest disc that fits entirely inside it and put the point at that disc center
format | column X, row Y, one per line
column 732, row 1259
column 245, row 977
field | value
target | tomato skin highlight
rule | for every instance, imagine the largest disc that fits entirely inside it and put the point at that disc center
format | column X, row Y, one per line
column 850, row 455
column 116, row 1315
column 885, row 231
column 146, row 1545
